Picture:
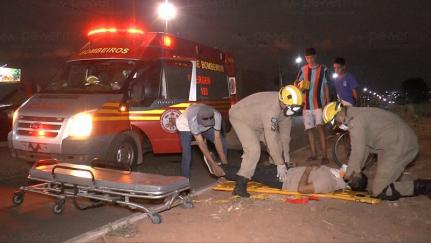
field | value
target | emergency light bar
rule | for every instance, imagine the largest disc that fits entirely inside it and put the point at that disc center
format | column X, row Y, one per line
column 115, row 30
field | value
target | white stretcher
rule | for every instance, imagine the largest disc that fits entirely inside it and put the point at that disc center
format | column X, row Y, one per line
column 101, row 185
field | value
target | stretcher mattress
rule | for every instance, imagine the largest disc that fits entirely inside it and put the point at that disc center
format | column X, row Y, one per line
column 347, row 195
column 109, row 178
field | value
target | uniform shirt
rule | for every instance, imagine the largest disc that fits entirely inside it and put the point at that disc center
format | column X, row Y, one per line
column 187, row 121
column 262, row 113
column 344, row 86
column 376, row 130
column 315, row 96
column 323, row 180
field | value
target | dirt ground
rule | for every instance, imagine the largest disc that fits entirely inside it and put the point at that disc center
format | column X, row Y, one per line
column 217, row 217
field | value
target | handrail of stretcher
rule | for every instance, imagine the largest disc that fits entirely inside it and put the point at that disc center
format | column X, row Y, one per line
column 118, row 192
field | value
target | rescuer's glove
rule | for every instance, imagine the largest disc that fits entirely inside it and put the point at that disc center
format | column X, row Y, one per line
column 281, row 172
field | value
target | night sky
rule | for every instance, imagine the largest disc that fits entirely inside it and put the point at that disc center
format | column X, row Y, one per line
column 384, row 41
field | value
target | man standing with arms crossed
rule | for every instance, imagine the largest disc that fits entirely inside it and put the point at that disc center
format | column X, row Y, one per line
column 313, row 80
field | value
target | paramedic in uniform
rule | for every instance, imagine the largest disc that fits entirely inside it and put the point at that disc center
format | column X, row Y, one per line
column 373, row 130
column 313, row 80
column 200, row 121
column 264, row 117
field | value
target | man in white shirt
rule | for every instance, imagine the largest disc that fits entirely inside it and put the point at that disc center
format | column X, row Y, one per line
column 200, row 121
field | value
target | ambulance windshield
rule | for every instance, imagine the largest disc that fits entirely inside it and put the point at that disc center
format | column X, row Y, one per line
column 93, row 76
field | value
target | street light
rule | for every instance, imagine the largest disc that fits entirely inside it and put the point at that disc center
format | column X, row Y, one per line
column 298, row 60
column 166, row 11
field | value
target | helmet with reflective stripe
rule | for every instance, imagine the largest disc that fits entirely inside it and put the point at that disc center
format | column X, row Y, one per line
column 290, row 96
column 330, row 111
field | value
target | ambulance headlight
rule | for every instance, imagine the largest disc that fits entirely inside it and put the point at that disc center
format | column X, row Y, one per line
column 80, row 125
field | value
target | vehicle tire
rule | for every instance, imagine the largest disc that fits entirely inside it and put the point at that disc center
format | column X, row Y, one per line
column 18, row 198
column 341, row 149
column 124, row 152
column 58, row 206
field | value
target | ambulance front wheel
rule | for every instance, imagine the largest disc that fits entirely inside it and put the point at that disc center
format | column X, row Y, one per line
column 124, row 152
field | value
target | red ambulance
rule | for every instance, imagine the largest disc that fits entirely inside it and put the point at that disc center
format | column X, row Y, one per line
column 119, row 97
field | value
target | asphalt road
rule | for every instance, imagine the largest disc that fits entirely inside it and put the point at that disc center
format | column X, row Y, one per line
column 33, row 221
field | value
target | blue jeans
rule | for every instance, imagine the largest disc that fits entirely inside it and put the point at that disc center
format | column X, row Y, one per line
column 186, row 140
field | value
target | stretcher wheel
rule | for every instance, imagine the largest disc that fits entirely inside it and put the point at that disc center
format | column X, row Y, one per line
column 155, row 218
column 58, row 206
column 18, row 198
column 187, row 203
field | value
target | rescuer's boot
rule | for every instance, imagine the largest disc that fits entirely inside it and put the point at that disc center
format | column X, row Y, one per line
column 422, row 187
column 241, row 187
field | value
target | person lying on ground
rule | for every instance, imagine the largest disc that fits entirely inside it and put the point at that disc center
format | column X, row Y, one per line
column 303, row 179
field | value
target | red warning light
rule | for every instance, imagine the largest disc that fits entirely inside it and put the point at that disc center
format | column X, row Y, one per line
column 131, row 30
column 102, row 30
column 41, row 133
column 167, row 41
column 135, row 31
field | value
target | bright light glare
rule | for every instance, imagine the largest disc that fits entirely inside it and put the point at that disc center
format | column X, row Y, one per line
column 81, row 125
column 167, row 41
column 298, row 60
column 365, row 89
column 334, row 75
column 102, row 30
column 166, row 11
column 135, row 31
column 15, row 115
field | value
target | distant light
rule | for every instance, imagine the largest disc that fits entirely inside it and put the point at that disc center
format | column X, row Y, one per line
column 123, row 108
column 374, row 93
column 298, row 60
column 370, row 91
column 384, row 99
column 334, row 75
column 166, row 11
column 365, row 89
column 167, row 41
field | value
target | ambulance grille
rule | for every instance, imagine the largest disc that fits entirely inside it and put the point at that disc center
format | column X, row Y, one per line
column 34, row 126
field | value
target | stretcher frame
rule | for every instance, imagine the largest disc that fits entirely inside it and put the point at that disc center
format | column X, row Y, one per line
column 101, row 195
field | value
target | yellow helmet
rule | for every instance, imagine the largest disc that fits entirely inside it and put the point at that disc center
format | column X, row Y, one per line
column 330, row 111
column 290, row 96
